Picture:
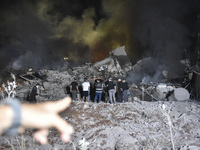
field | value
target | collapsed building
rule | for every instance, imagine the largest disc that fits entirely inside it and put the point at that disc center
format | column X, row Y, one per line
column 144, row 84
column 157, row 83
column 55, row 83
column 125, row 123
column 118, row 63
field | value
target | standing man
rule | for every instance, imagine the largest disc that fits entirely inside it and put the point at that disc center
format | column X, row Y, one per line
column 98, row 90
column 125, row 90
column 89, row 93
column 86, row 87
column 34, row 92
column 74, row 89
column 106, row 92
column 120, row 90
column 111, row 90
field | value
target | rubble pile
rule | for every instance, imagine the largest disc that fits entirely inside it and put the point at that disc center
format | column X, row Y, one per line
column 55, row 84
column 138, row 124
column 117, row 64
column 124, row 126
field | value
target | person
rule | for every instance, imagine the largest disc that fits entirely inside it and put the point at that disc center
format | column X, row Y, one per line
column 98, row 90
column 125, row 90
column 16, row 117
column 106, row 91
column 88, row 95
column 34, row 93
column 98, row 78
column 74, row 89
column 119, row 90
column 86, row 87
column 111, row 90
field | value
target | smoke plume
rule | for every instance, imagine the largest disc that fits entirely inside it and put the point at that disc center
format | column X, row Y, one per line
column 163, row 31
column 40, row 33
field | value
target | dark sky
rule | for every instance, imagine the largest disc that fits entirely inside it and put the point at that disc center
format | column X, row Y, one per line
column 40, row 33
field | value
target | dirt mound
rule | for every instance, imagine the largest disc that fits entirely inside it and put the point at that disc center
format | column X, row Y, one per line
column 137, row 125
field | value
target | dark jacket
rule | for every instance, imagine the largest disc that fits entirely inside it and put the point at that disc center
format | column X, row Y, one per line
column 99, row 87
column 111, row 85
column 125, row 86
column 74, row 85
column 33, row 94
column 119, row 86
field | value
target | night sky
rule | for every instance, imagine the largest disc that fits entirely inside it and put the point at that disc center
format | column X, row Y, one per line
column 40, row 33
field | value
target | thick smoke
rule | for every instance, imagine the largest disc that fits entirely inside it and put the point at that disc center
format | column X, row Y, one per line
column 29, row 38
column 163, row 33
column 40, row 33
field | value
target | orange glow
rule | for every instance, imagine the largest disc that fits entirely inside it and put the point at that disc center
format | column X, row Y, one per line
column 97, row 56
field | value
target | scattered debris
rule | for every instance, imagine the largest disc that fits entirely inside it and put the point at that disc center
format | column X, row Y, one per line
column 142, row 85
column 138, row 124
column 83, row 144
column 180, row 94
column 117, row 63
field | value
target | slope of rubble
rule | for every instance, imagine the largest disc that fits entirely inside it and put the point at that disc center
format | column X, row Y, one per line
column 149, row 120
column 123, row 126
column 137, row 125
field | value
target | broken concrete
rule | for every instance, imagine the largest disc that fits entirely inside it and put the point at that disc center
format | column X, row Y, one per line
column 137, row 124
column 117, row 63
column 127, row 126
column 55, row 83
column 180, row 94
column 163, row 90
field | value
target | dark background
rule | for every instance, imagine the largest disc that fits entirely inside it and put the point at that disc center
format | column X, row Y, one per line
column 40, row 33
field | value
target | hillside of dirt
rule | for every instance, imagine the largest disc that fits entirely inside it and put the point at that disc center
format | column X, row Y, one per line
column 123, row 126
column 149, row 121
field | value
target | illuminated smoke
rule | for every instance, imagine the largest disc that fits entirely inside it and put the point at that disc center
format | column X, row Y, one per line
column 41, row 33
column 110, row 32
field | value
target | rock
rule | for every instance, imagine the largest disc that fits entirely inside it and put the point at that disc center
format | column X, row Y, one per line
column 46, row 85
column 162, row 90
column 124, row 126
column 118, row 62
column 180, row 94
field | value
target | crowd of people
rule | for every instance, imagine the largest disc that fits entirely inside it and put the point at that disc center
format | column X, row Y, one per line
column 16, row 116
column 99, row 90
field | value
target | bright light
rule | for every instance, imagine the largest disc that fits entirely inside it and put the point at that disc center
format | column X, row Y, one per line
column 66, row 58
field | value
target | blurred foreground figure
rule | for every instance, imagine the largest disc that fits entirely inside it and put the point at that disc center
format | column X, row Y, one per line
column 16, row 117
